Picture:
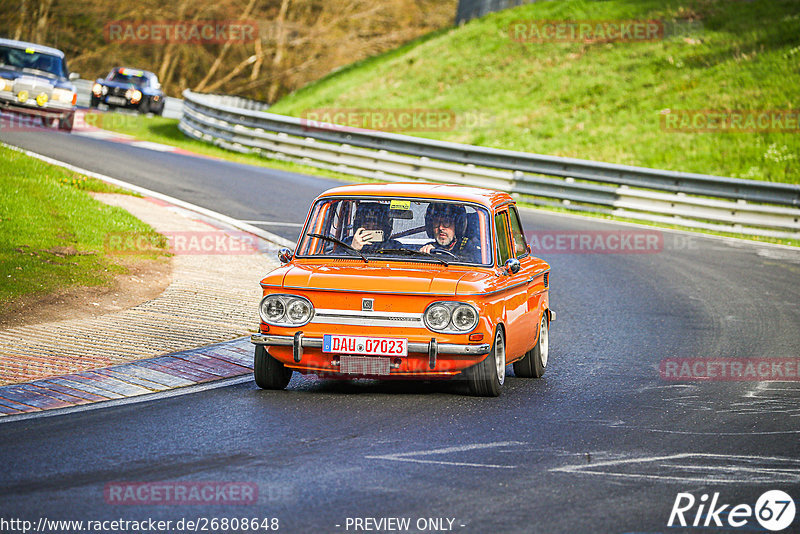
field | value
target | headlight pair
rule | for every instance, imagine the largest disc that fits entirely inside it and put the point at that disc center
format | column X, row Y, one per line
column 451, row 317
column 286, row 310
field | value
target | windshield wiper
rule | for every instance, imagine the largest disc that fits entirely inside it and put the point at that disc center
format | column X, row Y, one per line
column 412, row 252
column 338, row 242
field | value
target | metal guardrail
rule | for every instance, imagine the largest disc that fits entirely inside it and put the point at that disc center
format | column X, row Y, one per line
column 690, row 200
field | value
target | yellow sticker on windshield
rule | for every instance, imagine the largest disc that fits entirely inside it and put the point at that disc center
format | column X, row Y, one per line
column 29, row 51
column 400, row 205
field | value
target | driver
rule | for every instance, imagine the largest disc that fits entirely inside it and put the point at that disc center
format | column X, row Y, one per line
column 446, row 224
column 373, row 226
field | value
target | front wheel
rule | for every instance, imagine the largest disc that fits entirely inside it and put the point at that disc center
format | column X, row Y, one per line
column 534, row 364
column 268, row 372
column 487, row 378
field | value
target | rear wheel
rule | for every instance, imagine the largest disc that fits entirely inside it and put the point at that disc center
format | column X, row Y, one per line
column 487, row 378
column 534, row 364
column 268, row 372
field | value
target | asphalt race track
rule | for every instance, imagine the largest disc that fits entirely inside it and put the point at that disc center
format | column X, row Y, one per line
column 602, row 443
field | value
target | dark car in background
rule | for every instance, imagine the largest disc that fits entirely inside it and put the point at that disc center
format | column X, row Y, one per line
column 35, row 81
column 129, row 88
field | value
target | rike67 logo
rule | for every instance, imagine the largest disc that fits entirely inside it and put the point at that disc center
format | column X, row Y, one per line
column 774, row 511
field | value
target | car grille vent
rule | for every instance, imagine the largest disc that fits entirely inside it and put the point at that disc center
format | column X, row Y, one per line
column 546, row 279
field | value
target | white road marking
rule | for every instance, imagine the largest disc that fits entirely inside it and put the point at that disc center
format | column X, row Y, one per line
column 153, row 146
column 789, row 472
column 274, row 223
column 409, row 456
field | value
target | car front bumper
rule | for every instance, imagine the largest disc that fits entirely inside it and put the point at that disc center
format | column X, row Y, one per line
column 38, row 111
column 432, row 348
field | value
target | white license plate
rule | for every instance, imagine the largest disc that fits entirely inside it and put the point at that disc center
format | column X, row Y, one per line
column 368, row 346
column 116, row 100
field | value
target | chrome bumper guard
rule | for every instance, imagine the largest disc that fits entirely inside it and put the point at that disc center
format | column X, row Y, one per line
column 432, row 348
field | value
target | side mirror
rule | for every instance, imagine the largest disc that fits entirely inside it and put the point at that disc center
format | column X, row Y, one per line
column 74, row 76
column 285, row 255
column 513, row 266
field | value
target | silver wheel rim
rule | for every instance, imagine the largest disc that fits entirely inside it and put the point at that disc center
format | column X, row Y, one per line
column 500, row 357
column 544, row 340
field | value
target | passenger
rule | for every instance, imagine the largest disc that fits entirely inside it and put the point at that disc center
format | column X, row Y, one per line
column 373, row 227
column 446, row 224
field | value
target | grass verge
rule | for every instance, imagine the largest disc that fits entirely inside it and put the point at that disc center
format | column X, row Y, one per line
column 53, row 234
column 604, row 100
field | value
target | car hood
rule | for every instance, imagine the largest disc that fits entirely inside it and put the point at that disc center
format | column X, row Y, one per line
column 374, row 277
column 55, row 81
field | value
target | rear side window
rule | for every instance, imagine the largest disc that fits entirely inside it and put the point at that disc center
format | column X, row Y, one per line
column 520, row 245
column 501, row 224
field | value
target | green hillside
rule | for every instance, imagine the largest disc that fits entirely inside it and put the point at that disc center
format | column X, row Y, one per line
column 602, row 101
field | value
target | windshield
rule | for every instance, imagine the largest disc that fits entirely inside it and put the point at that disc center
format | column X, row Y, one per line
column 27, row 59
column 398, row 229
column 136, row 78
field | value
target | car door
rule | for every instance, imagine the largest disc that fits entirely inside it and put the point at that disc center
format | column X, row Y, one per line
column 519, row 331
column 530, row 269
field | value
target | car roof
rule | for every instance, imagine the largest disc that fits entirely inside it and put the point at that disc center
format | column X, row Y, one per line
column 487, row 197
column 145, row 73
column 36, row 47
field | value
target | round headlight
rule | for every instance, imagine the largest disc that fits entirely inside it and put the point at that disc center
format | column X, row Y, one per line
column 272, row 309
column 97, row 89
column 298, row 311
column 63, row 95
column 437, row 317
column 134, row 95
column 465, row 318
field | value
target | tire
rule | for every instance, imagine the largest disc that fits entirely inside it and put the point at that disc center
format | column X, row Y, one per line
column 144, row 106
column 486, row 379
column 95, row 102
column 66, row 123
column 534, row 363
column 268, row 372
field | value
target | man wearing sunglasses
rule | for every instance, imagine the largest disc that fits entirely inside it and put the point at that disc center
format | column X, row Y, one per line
column 446, row 224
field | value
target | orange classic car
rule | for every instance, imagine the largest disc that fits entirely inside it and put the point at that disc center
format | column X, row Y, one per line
column 406, row 280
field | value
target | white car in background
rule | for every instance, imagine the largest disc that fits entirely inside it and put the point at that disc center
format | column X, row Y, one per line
column 35, row 81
